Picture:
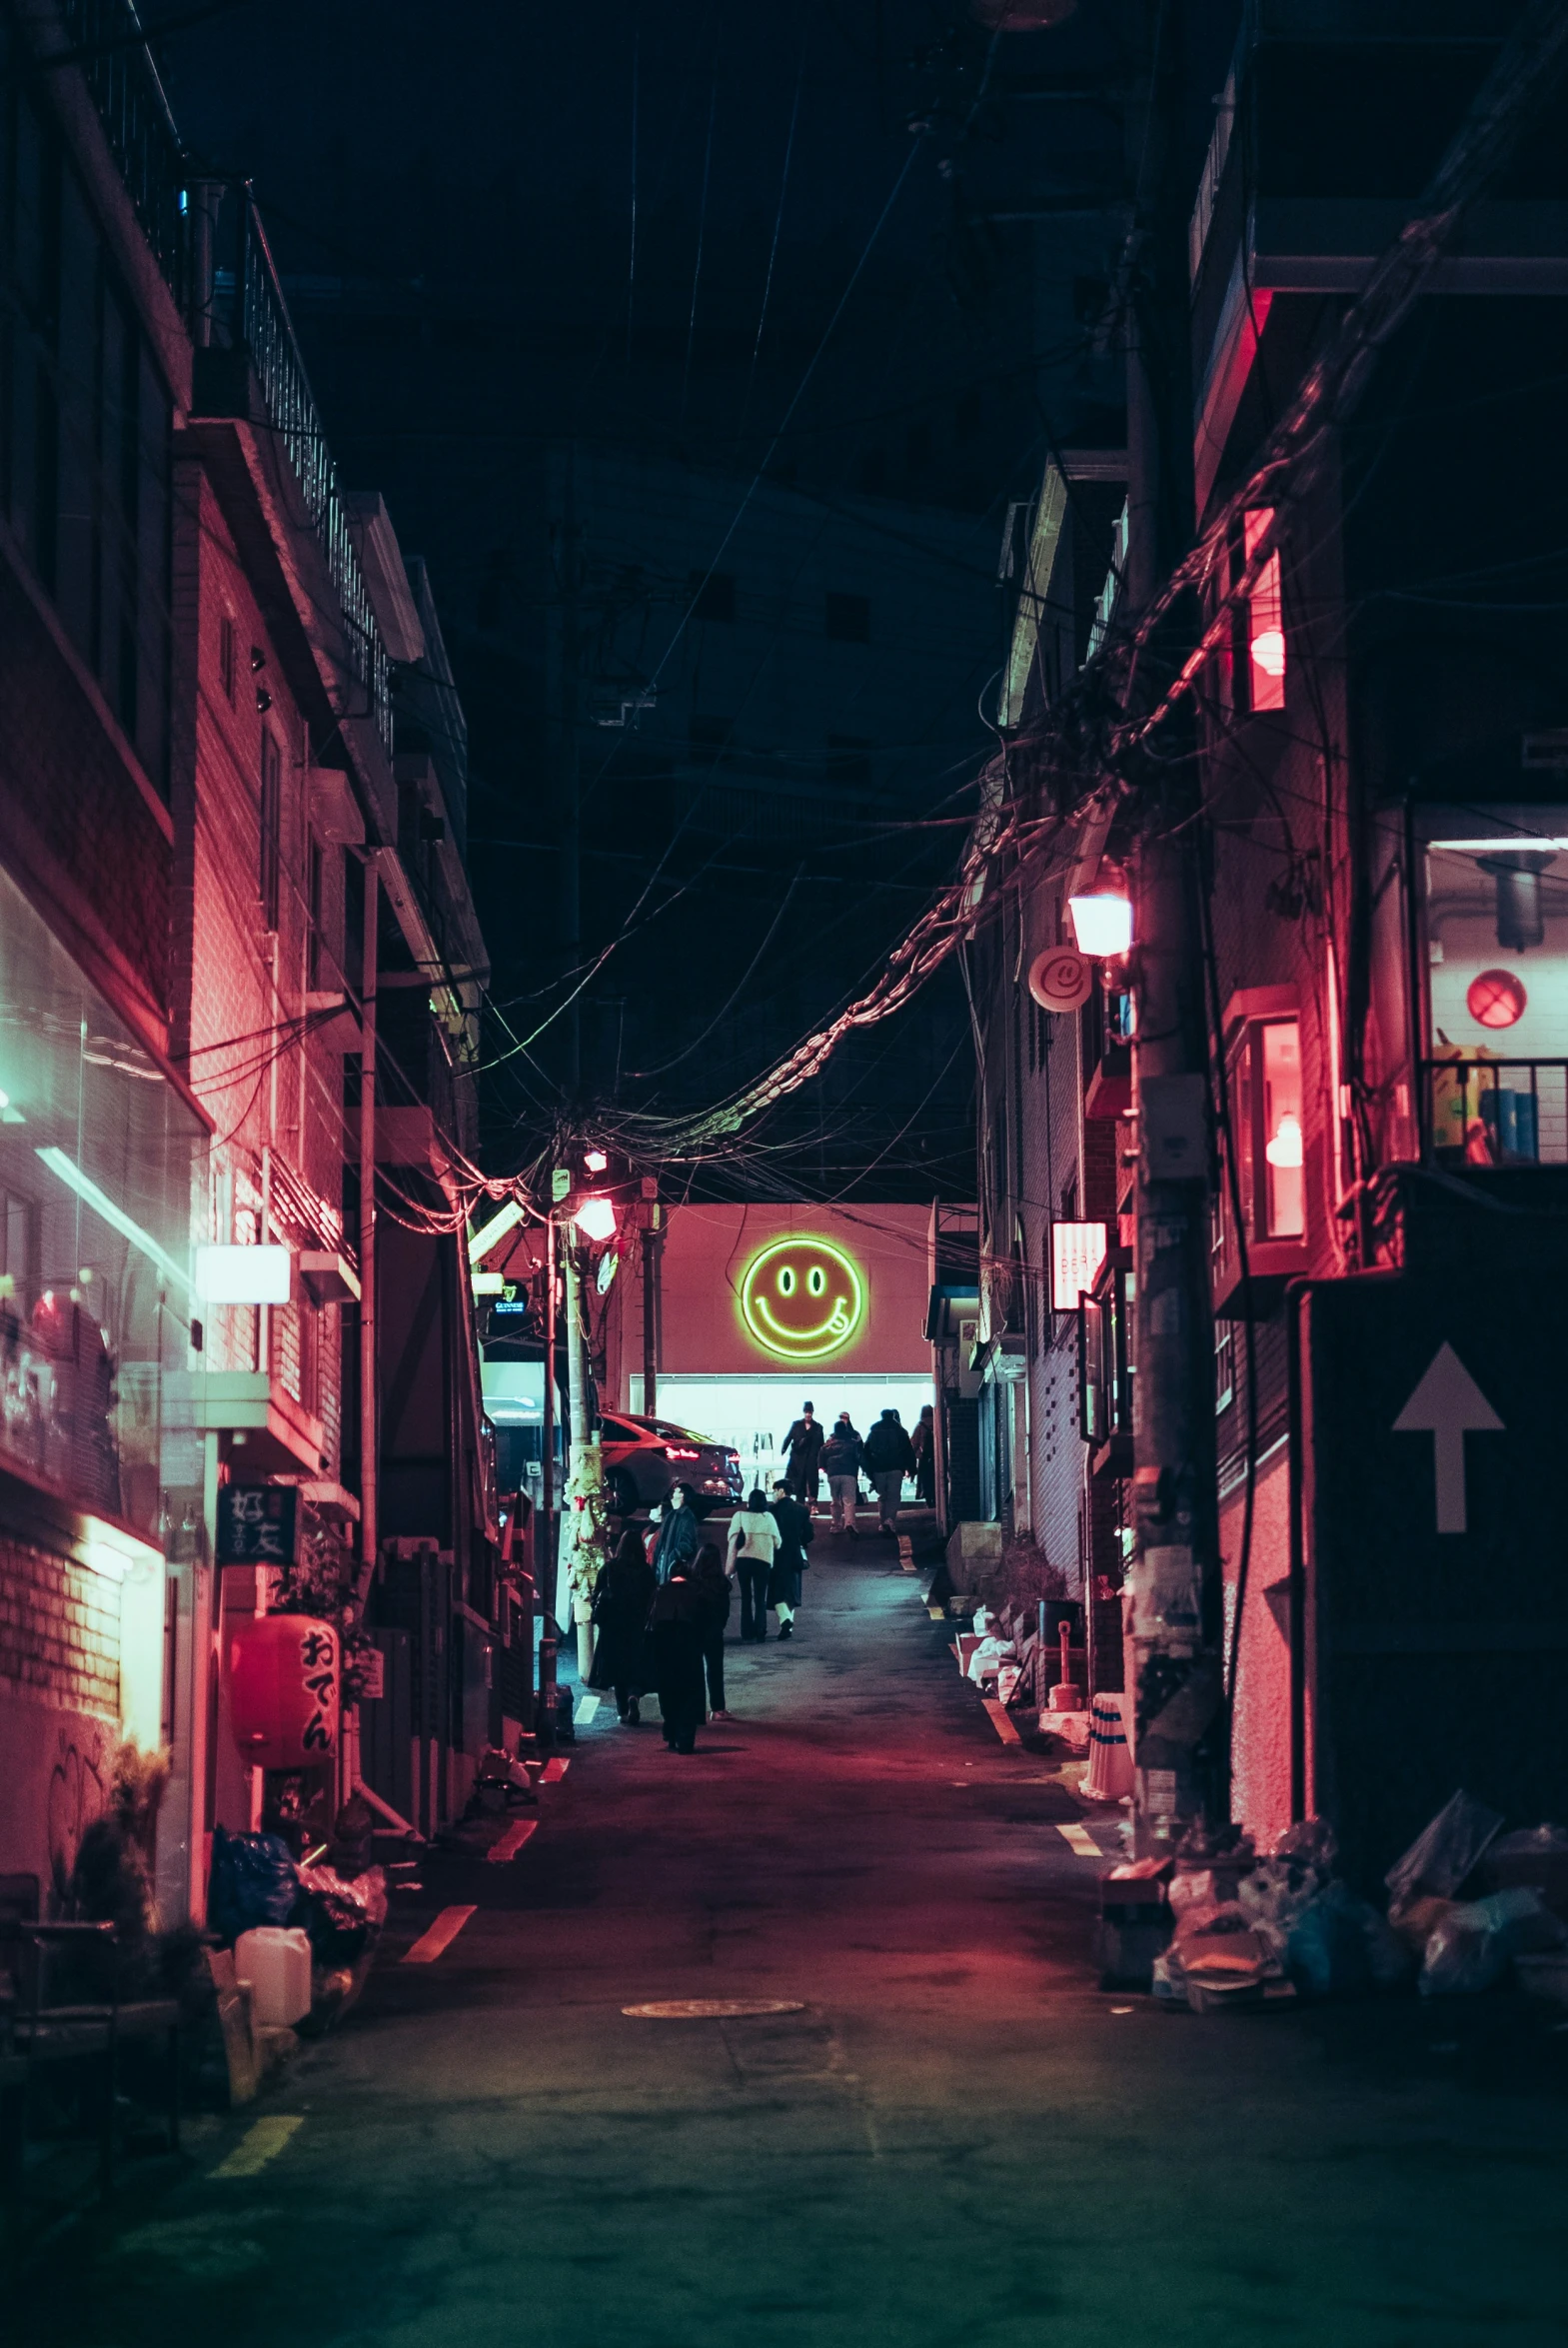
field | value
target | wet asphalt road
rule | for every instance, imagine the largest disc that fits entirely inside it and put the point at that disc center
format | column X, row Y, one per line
column 959, row 2138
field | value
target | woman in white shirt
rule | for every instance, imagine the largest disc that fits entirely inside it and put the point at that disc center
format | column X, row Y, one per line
column 754, row 1539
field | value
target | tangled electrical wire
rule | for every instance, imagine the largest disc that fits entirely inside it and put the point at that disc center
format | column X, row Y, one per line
column 1096, row 738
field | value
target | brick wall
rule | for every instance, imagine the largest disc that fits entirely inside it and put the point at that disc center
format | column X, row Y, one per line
column 59, row 1631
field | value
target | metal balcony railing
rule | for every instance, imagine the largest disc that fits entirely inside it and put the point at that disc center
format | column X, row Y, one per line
column 249, row 311
column 107, row 43
column 1486, row 1111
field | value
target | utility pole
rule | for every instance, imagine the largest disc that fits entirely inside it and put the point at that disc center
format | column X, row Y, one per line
column 652, row 1242
column 544, row 1545
column 570, row 778
column 1178, row 1598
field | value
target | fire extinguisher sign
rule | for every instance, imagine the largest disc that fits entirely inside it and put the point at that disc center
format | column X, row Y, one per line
column 257, row 1523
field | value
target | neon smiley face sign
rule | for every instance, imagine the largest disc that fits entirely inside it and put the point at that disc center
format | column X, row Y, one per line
column 802, row 1299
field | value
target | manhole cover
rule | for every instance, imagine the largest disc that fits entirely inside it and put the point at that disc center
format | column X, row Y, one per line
column 710, row 2009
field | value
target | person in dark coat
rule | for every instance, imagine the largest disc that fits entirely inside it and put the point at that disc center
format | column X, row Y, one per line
column 923, row 1443
column 804, row 1456
column 622, row 1597
column 709, row 1573
column 676, row 1632
column 842, row 1464
column 679, row 1533
column 790, row 1558
column 889, row 1458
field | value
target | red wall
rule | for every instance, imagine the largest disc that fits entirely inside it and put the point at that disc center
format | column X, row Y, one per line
column 1261, row 1745
column 708, row 1249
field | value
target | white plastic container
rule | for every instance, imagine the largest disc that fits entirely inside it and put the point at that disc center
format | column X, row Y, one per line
column 276, row 1960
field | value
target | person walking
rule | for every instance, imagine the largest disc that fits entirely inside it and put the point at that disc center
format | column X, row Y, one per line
column 924, row 1442
column 676, row 1633
column 622, row 1597
column 714, row 1582
column 889, row 1458
column 793, row 1520
column 804, row 1456
column 841, row 1466
column 754, row 1543
column 679, row 1533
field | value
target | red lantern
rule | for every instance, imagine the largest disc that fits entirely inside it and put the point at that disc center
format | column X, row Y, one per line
column 284, row 1681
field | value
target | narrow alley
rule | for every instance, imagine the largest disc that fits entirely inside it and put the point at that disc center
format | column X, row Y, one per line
column 946, row 2131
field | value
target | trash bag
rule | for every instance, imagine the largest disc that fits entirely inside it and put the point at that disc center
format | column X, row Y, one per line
column 1476, row 1943
column 1326, row 1949
column 1536, row 1855
column 341, row 1913
column 1308, row 1843
column 254, row 1880
column 1443, row 1854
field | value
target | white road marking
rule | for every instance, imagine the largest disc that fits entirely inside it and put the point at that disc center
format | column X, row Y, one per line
column 555, row 1769
column 1001, row 1723
column 587, row 1708
column 262, row 2141
column 509, row 1844
column 1079, row 1839
column 441, row 1936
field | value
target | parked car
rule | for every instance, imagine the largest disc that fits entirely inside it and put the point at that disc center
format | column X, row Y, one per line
column 645, row 1456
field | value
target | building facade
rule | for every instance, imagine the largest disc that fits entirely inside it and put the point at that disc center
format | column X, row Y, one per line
column 241, row 983
column 1373, row 829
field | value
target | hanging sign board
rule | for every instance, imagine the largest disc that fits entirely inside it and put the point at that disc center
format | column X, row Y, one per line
column 258, row 1525
column 1078, row 1249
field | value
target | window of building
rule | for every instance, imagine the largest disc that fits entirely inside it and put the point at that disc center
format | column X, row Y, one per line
column 85, row 437
column 228, row 658
column 1261, row 660
column 848, row 618
column 1224, row 1366
column 1266, row 1118
column 270, row 872
column 315, row 886
column 713, row 596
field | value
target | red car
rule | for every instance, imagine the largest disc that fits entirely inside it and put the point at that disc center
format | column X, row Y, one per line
column 645, row 1456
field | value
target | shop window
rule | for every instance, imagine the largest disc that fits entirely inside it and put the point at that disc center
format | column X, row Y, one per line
column 99, row 1161
column 1494, row 909
column 1224, row 1366
column 1106, row 1364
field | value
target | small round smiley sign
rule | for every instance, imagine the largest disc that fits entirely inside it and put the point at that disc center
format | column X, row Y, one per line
column 802, row 1299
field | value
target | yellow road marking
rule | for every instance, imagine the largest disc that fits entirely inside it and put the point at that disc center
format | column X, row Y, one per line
column 937, row 1613
column 441, row 1936
column 1000, row 1722
column 262, row 2141
column 1078, row 1838
column 509, row 1843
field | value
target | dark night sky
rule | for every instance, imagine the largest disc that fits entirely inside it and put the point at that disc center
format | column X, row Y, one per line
column 448, row 193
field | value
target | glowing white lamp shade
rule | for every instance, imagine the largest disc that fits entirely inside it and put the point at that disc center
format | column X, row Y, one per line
column 1269, row 650
column 1283, row 1147
column 242, row 1276
column 1102, row 923
column 596, row 1219
column 594, row 1161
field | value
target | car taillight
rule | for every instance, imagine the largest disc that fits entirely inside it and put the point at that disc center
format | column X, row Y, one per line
column 678, row 1452
column 733, row 1457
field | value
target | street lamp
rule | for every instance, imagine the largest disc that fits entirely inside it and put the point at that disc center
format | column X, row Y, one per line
column 595, row 1218
column 1102, row 923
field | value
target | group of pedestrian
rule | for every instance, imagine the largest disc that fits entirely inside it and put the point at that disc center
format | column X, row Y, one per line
column 661, row 1603
column 660, row 1623
column 887, row 1456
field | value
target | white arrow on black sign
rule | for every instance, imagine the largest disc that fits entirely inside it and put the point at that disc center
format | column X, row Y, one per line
column 1447, row 1405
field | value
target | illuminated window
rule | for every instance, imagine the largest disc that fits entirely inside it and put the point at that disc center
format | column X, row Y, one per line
column 1266, row 1114
column 1266, row 621
column 270, row 872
